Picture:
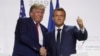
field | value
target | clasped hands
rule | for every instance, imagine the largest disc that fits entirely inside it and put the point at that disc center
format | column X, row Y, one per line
column 43, row 51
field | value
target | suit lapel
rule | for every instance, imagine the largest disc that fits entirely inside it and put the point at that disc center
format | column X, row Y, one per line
column 63, row 34
column 53, row 35
column 43, row 32
column 53, row 41
column 33, row 29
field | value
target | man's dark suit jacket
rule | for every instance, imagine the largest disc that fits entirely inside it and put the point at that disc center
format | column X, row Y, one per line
column 26, row 39
column 68, row 40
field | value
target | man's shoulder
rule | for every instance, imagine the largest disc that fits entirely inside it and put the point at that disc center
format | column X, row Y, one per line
column 43, row 27
column 51, row 32
column 23, row 19
column 70, row 27
column 27, row 19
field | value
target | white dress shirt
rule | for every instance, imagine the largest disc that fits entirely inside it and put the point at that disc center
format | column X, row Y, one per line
column 40, row 34
column 57, row 32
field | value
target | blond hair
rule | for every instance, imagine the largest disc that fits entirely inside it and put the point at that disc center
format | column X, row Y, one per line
column 36, row 6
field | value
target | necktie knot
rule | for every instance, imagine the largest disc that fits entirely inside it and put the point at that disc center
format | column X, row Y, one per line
column 36, row 24
column 58, row 30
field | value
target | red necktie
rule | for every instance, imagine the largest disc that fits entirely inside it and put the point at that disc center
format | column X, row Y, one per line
column 37, row 29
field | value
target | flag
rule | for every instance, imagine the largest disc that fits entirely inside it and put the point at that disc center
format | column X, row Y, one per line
column 22, row 10
column 50, row 22
column 57, row 4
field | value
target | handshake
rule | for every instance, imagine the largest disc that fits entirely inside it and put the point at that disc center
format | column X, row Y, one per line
column 43, row 51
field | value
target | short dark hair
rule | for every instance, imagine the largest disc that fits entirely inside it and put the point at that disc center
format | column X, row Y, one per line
column 60, row 9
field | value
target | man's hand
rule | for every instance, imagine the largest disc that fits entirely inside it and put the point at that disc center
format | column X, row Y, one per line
column 43, row 51
column 80, row 22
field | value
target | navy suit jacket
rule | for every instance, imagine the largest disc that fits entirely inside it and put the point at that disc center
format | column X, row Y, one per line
column 26, row 39
column 68, row 40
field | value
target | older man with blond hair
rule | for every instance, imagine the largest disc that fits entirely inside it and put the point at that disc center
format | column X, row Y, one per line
column 30, row 34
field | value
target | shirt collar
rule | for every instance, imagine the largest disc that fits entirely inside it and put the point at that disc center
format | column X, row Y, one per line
column 35, row 22
column 61, row 27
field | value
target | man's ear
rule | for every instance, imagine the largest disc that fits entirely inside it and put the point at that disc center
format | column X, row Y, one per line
column 30, row 14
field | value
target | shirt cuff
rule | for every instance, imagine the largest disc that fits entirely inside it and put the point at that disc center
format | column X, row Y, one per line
column 82, row 30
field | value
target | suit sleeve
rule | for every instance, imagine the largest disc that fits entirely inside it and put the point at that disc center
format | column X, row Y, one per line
column 47, row 40
column 25, row 38
column 79, row 34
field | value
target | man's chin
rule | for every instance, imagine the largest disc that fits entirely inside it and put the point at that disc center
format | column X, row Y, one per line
column 59, row 24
